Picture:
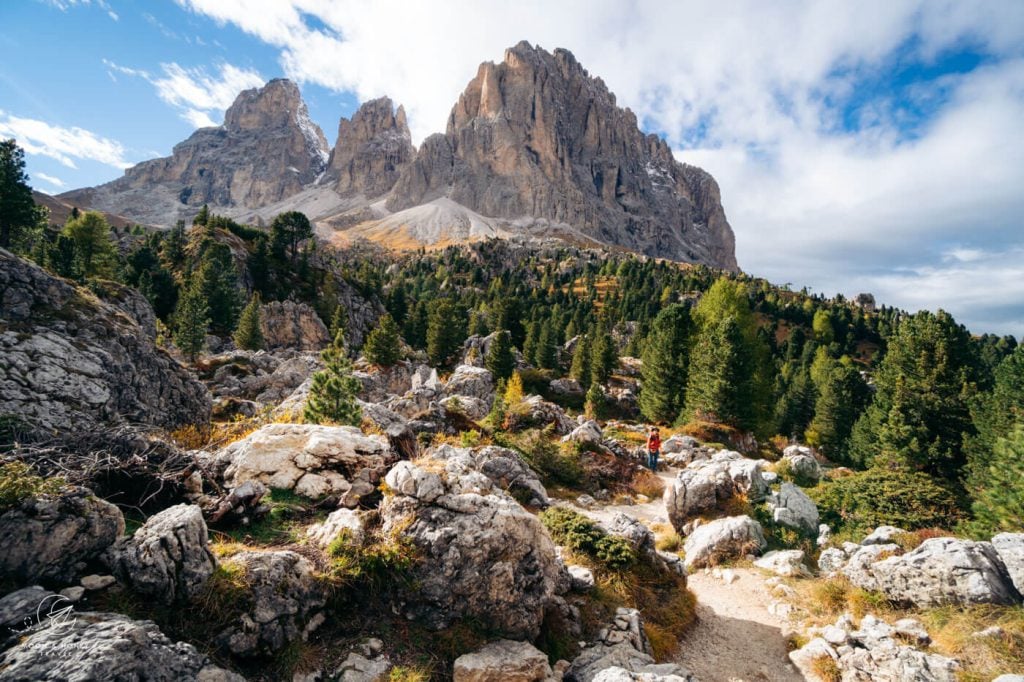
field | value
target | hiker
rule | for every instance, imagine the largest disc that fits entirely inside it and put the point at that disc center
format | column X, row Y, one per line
column 653, row 449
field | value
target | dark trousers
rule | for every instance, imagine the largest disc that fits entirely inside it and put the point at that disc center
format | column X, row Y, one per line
column 652, row 460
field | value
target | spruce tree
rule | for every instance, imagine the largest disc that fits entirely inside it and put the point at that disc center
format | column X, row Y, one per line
column 603, row 357
column 219, row 282
column 994, row 415
column 999, row 503
column 17, row 209
column 192, row 321
column 665, row 365
column 333, row 392
column 384, row 344
column 94, row 251
column 547, row 349
column 249, row 335
column 595, row 405
column 713, row 389
column 580, row 368
column 531, row 342
column 500, row 359
column 842, row 396
column 446, row 331
column 339, row 322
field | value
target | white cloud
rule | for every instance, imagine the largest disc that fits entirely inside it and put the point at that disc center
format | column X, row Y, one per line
column 65, row 5
column 56, row 182
column 746, row 89
column 62, row 144
column 193, row 91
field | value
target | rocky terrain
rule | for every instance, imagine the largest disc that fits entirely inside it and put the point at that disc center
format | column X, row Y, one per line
column 534, row 146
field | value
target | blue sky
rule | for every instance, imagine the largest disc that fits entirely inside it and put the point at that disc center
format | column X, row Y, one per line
column 873, row 146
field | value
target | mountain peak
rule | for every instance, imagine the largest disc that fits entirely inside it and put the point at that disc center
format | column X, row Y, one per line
column 372, row 148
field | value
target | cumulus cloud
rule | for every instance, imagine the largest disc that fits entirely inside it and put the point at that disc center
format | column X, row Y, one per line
column 49, row 179
column 62, row 144
column 198, row 95
column 819, row 192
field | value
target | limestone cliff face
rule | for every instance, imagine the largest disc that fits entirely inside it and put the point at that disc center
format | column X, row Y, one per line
column 372, row 149
column 536, row 137
column 267, row 150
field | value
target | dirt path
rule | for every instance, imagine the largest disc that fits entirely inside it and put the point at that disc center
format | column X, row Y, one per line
column 735, row 638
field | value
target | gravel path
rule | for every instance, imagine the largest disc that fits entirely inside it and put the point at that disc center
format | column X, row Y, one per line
column 735, row 638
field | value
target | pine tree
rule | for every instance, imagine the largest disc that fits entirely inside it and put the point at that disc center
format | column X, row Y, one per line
column 249, row 335
column 203, row 217
column 994, row 415
column 665, row 365
column 446, row 331
column 547, row 349
column 924, row 385
column 580, row 368
column 333, row 392
column 603, row 357
column 339, row 322
column 219, row 282
column 713, row 389
column 842, row 397
column 384, row 344
column 287, row 230
column 192, row 321
column 595, row 405
column 531, row 342
column 500, row 360
column 17, row 209
column 94, row 251
column 999, row 504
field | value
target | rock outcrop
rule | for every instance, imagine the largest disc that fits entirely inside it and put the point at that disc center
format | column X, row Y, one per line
column 287, row 324
column 107, row 646
column 537, row 137
column 372, row 149
column 267, row 150
column 53, row 537
column 481, row 555
column 728, row 538
column 791, row 507
column 69, row 361
column 281, row 602
column 168, row 558
column 706, row 485
column 503, row 661
column 312, row 460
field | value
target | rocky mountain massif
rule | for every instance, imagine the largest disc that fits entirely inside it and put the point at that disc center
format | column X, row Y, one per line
column 534, row 145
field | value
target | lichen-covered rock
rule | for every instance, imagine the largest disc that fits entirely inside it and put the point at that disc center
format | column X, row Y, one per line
column 733, row 536
column 69, row 361
column 587, row 433
column 287, row 324
column 942, row 571
column 857, row 566
column 505, row 468
column 706, row 485
column 831, row 560
column 312, row 460
column 53, row 537
column 281, row 602
column 541, row 413
column 481, row 555
column 106, row 646
column 802, row 463
column 503, row 661
column 786, row 562
column 343, row 522
column 791, row 507
column 168, row 558
column 475, row 382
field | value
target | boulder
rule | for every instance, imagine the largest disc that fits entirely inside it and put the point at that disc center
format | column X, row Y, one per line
column 71, row 362
column 802, row 463
column 281, row 602
column 287, row 324
column 706, row 485
column 503, row 661
column 791, row 507
column 312, row 460
column 582, row 578
column 475, row 382
column 857, row 566
column 27, row 608
column 622, row 645
column 647, row 673
column 566, row 387
column 168, row 558
column 106, row 646
column 474, row 408
column 1010, row 548
column 505, row 468
column 946, row 571
column 340, row 522
column 367, row 663
column 588, row 433
column 787, row 563
column 678, row 444
column 883, row 535
column 541, row 413
column 480, row 554
column 730, row 537
column 831, row 560
column 54, row 537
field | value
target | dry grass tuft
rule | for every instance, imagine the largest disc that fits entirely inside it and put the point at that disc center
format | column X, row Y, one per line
column 826, row 668
column 646, row 482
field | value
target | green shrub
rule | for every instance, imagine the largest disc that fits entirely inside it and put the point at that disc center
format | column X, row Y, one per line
column 899, row 497
column 17, row 483
column 580, row 534
column 545, row 457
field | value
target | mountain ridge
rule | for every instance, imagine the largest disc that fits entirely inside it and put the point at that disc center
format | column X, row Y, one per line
column 534, row 145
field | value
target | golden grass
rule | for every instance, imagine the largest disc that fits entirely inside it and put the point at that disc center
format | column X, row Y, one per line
column 647, row 483
column 826, row 668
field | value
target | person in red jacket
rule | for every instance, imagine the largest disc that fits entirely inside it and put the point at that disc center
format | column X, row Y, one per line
column 653, row 448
